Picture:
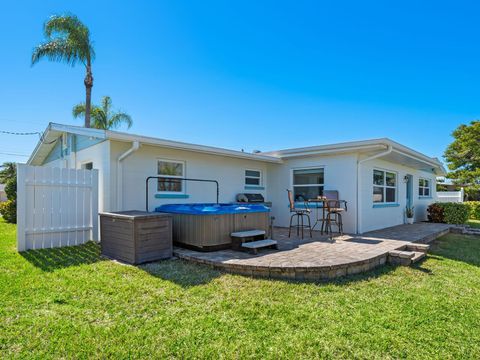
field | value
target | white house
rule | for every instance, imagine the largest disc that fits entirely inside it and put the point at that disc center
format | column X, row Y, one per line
column 378, row 178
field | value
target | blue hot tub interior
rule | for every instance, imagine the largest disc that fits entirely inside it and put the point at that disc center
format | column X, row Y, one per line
column 211, row 209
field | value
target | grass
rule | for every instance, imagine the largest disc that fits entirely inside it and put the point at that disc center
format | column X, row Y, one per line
column 474, row 223
column 69, row 303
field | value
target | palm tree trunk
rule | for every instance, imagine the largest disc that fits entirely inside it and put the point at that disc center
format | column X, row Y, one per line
column 88, row 98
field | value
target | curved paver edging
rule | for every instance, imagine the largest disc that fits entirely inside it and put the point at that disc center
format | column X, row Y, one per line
column 240, row 264
column 327, row 272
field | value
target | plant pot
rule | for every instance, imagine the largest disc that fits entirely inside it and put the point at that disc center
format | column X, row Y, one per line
column 410, row 221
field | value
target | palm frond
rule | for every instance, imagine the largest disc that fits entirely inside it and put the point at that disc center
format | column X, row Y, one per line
column 55, row 50
column 66, row 40
column 120, row 118
column 106, row 105
column 99, row 118
column 63, row 24
column 78, row 110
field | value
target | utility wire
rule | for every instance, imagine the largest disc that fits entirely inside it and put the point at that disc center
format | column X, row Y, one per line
column 40, row 135
column 12, row 154
column 21, row 133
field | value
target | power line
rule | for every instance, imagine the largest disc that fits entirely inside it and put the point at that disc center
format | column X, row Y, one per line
column 40, row 135
column 13, row 154
column 21, row 133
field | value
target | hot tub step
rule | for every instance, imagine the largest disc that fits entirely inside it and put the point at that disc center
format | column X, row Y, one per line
column 247, row 234
column 253, row 246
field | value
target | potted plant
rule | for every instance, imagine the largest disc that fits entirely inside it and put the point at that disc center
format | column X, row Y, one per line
column 409, row 213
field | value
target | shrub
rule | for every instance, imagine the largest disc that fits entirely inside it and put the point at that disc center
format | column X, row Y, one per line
column 435, row 213
column 474, row 207
column 11, row 189
column 450, row 213
column 8, row 210
column 456, row 213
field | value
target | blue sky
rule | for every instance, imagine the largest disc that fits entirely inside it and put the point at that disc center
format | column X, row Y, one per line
column 253, row 75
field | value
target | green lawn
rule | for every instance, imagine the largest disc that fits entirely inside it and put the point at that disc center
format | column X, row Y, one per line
column 474, row 223
column 69, row 303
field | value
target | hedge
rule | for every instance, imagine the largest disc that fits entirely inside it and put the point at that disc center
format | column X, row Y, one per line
column 8, row 210
column 450, row 213
column 474, row 207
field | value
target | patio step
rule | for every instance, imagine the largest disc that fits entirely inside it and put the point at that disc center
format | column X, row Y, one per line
column 400, row 257
column 417, row 247
column 253, row 246
column 406, row 257
column 419, row 255
column 247, row 234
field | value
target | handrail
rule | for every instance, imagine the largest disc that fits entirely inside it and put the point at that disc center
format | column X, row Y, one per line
column 175, row 178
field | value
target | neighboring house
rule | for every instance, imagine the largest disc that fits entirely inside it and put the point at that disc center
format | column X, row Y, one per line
column 378, row 178
column 3, row 195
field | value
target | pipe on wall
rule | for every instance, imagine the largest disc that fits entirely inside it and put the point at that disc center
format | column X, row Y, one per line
column 135, row 146
column 359, row 187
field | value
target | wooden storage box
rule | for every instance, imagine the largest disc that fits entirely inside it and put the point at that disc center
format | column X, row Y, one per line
column 136, row 237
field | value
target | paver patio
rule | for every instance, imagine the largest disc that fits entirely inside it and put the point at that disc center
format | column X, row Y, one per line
column 318, row 257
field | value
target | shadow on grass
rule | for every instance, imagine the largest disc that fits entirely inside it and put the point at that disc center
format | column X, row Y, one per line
column 181, row 272
column 59, row 258
column 465, row 248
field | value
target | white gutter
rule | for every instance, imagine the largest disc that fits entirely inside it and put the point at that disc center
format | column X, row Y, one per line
column 135, row 147
column 359, row 197
column 338, row 150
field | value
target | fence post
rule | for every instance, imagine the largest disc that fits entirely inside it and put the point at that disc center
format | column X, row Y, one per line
column 462, row 194
column 21, row 205
column 94, row 204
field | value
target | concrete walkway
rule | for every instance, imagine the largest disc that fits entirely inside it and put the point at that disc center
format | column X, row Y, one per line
column 318, row 257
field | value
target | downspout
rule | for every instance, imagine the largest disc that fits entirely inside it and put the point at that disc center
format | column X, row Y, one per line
column 359, row 187
column 135, row 147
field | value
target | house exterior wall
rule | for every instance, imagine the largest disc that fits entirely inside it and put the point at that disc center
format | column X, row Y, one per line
column 97, row 153
column 228, row 171
column 373, row 216
column 340, row 174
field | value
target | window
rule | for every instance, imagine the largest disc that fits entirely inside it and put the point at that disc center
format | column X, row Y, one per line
column 170, row 169
column 87, row 166
column 308, row 183
column 253, row 177
column 384, row 186
column 423, row 187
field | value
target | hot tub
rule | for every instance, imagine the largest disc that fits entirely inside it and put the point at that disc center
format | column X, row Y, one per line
column 207, row 227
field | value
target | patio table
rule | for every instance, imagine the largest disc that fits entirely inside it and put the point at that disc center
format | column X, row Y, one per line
column 322, row 203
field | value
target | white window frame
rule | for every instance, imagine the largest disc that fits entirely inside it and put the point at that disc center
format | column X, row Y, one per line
column 84, row 163
column 260, row 177
column 429, row 187
column 292, row 177
column 385, row 186
column 183, row 185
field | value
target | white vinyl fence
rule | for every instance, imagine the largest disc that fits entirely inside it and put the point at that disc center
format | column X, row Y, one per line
column 56, row 207
column 450, row 196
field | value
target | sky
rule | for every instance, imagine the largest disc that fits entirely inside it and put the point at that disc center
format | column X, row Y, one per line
column 252, row 75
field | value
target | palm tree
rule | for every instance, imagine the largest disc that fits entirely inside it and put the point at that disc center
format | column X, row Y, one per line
column 102, row 116
column 67, row 40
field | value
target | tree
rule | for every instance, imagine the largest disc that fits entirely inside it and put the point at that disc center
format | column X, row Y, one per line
column 8, row 176
column 102, row 116
column 67, row 40
column 8, row 172
column 463, row 155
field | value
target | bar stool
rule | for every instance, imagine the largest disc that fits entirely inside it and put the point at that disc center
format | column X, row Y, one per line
column 335, row 208
column 299, row 214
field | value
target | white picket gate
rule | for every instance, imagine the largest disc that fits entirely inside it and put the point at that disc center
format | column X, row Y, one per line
column 56, row 207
